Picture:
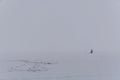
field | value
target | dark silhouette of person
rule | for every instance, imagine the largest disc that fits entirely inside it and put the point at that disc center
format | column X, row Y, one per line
column 91, row 52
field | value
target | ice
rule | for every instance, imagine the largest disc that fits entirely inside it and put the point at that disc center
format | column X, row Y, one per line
column 76, row 67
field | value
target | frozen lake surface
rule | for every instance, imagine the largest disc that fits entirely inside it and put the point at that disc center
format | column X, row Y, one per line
column 82, row 66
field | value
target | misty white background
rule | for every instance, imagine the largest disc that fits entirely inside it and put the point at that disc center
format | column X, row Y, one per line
column 58, row 26
column 63, row 31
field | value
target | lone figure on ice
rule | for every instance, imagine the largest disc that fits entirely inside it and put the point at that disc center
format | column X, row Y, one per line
column 91, row 52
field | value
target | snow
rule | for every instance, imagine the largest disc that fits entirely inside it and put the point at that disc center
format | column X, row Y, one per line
column 83, row 66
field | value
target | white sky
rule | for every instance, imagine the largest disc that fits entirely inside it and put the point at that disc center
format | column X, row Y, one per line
column 56, row 26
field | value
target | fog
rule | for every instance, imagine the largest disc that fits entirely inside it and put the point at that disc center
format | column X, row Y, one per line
column 60, row 29
column 59, row 26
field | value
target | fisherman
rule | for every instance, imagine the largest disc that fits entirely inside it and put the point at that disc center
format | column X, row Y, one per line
column 91, row 52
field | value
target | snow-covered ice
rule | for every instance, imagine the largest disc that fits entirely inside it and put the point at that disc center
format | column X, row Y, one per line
column 83, row 66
